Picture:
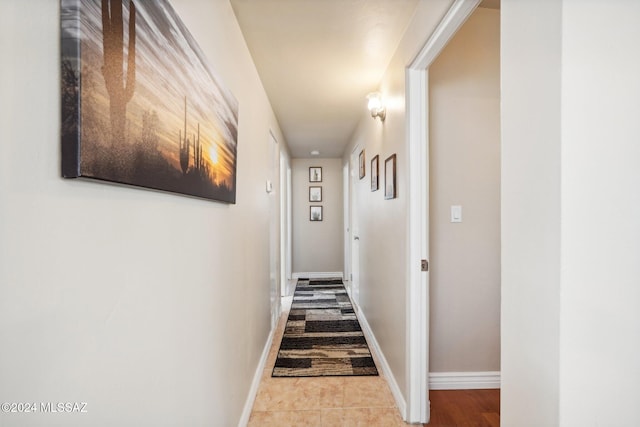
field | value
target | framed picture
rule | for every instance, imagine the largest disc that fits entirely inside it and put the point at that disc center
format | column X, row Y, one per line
column 390, row 177
column 315, row 194
column 315, row 174
column 315, row 213
column 361, row 162
column 133, row 116
column 374, row 174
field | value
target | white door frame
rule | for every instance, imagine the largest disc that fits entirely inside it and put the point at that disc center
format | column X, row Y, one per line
column 354, row 230
column 285, row 222
column 273, row 191
column 289, row 222
column 418, row 406
column 346, row 189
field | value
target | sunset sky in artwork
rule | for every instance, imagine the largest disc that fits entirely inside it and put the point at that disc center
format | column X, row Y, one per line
column 170, row 67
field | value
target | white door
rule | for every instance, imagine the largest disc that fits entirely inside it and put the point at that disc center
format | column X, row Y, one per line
column 354, row 285
column 285, row 223
column 274, row 222
column 346, row 184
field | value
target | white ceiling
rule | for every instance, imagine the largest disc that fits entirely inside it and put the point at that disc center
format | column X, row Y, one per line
column 318, row 59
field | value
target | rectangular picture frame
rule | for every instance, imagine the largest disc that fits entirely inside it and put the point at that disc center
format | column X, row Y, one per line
column 315, row 174
column 315, row 213
column 375, row 181
column 362, row 172
column 390, row 177
column 315, row 193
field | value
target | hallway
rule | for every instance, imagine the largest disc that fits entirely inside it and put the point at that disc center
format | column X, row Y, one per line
column 356, row 401
column 321, row 401
column 154, row 308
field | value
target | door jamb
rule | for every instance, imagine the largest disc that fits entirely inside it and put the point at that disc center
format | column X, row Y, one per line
column 355, row 297
column 274, row 228
column 418, row 406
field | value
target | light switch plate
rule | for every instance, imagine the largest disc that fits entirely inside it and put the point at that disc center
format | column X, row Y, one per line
column 456, row 213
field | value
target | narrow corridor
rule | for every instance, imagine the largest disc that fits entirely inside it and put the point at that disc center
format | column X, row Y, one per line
column 321, row 401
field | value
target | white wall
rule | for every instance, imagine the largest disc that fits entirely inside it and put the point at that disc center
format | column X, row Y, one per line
column 464, row 143
column 383, row 223
column 600, row 220
column 317, row 245
column 530, row 72
column 570, row 213
column 108, row 296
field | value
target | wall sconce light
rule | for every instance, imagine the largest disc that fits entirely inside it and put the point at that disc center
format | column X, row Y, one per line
column 375, row 106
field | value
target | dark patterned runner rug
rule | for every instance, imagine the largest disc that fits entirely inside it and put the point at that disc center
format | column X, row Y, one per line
column 322, row 336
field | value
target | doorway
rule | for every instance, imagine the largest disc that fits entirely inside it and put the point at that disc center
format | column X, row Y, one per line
column 346, row 185
column 353, row 234
column 418, row 254
column 285, row 225
column 273, row 160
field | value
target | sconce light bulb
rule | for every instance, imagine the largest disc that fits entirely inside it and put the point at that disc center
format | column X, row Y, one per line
column 375, row 105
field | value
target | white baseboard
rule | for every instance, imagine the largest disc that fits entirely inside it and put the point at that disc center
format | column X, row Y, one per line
column 257, row 377
column 464, row 380
column 318, row 275
column 384, row 365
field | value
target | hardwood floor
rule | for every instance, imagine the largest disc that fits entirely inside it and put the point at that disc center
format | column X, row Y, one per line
column 464, row 408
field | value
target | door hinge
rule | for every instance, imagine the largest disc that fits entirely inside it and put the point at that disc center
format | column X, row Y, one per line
column 424, row 265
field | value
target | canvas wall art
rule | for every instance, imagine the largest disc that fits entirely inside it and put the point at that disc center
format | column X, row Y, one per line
column 140, row 103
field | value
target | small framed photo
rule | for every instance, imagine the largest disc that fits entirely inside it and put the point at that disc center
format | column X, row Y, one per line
column 363, row 172
column 390, row 177
column 315, row 194
column 315, row 174
column 315, row 213
column 374, row 174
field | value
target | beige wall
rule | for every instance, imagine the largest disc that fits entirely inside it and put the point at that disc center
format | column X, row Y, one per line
column 464, row 142
column 317, row 245
column 570, row 213
column 383, row 223
column 139, row 303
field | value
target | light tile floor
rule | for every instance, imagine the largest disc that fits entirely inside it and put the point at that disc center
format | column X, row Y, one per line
column 323, row 401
